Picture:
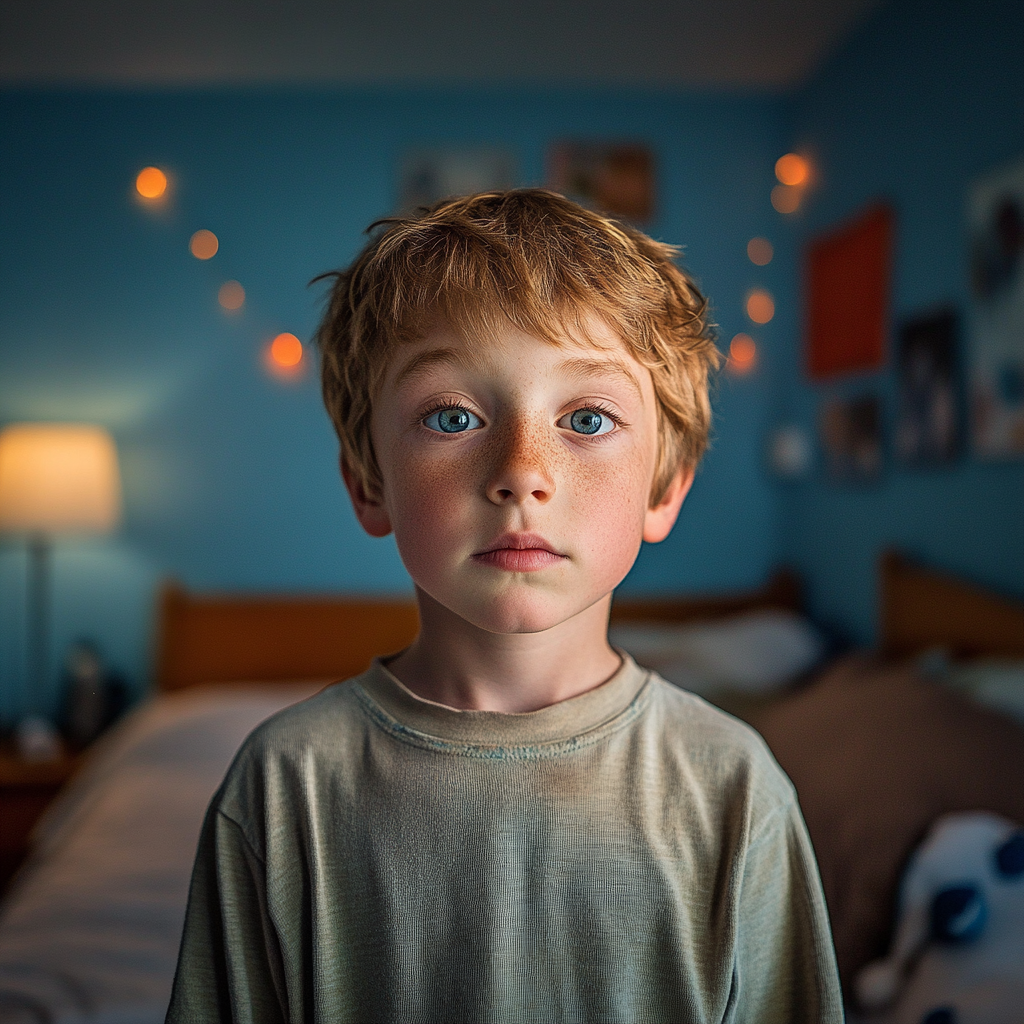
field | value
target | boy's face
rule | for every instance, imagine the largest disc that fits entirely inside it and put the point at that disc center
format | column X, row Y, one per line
column 516, row 473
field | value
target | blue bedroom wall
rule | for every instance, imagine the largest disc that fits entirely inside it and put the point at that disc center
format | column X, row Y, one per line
column 925, row 97
column 230, row 476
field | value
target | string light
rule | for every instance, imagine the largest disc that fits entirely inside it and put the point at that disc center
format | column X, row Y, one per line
column 792, row 169
column 204, row 244
column 786, row 198
column 151, row 183
column 760, row 306
column 742, row 353
column 286, row 351
column 231, row 295
column 760, row 251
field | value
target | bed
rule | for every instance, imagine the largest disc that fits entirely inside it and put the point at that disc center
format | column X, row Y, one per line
column 881, row 744
column 89, row 930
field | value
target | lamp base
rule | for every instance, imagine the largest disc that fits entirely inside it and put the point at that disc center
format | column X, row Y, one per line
column 38, row 604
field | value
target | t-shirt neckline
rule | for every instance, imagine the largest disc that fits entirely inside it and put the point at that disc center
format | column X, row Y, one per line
column 566, row 720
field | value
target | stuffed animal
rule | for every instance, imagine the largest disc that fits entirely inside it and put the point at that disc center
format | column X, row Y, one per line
column 957, row 955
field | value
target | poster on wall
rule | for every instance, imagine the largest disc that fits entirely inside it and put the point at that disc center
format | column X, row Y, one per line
column 847, row 283
column 928, row 414
column 995, row 218
column 430, row 174
column 851, row 438
column 615, row 178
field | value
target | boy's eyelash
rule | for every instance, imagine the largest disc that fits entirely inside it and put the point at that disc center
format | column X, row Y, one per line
column 439, row 406
column 603, row 410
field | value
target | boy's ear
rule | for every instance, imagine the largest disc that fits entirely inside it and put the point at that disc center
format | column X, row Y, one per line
column 369, row 509
column 661, row 518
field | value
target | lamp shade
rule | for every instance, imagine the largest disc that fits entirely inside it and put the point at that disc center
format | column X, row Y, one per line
column 58, row 478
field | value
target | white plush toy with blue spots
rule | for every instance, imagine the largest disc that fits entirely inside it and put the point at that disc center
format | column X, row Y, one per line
column 958, row 952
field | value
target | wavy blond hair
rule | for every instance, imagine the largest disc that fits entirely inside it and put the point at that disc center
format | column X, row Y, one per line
column 527, row 258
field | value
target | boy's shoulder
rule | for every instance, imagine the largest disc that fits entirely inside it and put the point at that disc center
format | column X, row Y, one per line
column 328, row 720
column 701, row 725
column 716, row 750
column 278, row 754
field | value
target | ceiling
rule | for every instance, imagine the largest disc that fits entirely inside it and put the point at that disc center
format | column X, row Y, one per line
column 718, row 44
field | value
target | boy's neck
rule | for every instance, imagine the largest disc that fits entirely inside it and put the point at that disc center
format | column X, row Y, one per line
column 455, row 663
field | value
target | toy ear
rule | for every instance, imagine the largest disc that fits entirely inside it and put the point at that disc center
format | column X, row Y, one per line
column 1010, row 856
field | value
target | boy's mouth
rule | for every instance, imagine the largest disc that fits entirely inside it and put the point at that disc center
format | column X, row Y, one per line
column 519, row 552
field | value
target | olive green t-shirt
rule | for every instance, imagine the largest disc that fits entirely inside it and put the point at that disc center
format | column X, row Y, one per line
column 631, row 854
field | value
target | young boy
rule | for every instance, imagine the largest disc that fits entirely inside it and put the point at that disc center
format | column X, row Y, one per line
column 509, row 821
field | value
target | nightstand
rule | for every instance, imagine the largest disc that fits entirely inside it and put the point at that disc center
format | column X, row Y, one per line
column 26, row 788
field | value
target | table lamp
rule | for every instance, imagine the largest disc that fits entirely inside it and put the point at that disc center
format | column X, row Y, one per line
column 55, row 479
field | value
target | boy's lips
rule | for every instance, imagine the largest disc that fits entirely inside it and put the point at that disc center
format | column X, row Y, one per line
column 519, row 552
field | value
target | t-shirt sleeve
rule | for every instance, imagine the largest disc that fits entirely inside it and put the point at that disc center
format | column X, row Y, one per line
column 785, row 967
column 229, row 965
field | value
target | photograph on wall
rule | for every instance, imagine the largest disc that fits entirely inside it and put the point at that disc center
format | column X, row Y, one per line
column 430, row 174
column 928, row 412
column 995, row 217
column 851, row 438
column 614, row 178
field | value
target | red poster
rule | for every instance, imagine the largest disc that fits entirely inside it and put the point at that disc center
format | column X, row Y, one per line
column 847, row 286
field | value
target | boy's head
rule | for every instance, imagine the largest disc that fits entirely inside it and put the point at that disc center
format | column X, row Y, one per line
column 526, row 259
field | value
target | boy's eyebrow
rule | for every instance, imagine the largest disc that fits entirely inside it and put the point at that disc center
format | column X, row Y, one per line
column 582, row 369
column 427, row 360
column 579, row 368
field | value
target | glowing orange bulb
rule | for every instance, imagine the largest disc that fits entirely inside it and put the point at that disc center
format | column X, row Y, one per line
column 760, row 306
column 204, row 245
column 231, row 295
column 742, row 353
column 786, row 198
column 792, row 169
column 760, row 251
column 286, row 351
column 151, row 183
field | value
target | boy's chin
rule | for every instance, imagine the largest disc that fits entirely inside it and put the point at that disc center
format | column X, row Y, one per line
column 517, row 621
column 511, row 614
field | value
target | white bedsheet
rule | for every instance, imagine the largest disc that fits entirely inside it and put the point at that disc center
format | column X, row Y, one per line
column 90, row 930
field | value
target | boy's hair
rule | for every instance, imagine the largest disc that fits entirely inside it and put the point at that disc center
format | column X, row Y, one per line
column 527, row 258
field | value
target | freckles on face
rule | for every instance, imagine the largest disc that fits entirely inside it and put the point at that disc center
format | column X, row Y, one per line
column 610, row 502
column 520, row 469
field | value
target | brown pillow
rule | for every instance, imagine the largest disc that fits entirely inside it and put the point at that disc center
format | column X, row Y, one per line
column 876, row 754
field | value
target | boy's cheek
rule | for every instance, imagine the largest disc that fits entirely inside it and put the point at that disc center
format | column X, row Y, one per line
column 428, row 489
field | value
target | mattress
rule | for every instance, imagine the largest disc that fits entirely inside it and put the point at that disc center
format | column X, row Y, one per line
column 89, row 931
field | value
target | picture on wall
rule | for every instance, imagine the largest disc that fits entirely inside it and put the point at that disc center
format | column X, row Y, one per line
column 851, row 438
column 928, row 413
column 430, row 174
column 995, row 217
column 847, row 283
column 615, row 178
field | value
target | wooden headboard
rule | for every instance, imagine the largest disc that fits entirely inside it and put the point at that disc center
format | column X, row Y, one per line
column 263, row 638
column 227, row 638
column 924, row 608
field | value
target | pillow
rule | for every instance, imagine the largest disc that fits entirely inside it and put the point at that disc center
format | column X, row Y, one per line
column 997, row 683
column 753, row 653
column 877, row 754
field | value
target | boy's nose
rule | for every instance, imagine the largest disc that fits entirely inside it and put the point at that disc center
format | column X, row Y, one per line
column 521, row 469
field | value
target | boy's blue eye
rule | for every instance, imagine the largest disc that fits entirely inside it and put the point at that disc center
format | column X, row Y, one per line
column 452, row 421
column 590, row 421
